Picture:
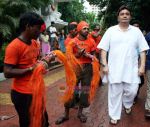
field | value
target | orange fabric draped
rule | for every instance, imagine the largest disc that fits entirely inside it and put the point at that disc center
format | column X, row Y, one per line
column 70, row 77
column 95, row 78
column 72, row 60
column 72, row 68
column 38, row 97
column 77, row 67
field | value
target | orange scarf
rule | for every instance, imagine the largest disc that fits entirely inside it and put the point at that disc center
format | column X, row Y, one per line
column 95, row 78
column 70, row 77
column 72, row 68
column 38, row 104
column 76, row 66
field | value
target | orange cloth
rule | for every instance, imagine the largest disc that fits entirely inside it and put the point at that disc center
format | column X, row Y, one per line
column 43, row 28
column 70, row 75
column 67, row 40
column 88, row 45
column 75, row 23
column 74, row 68
column 95, row 79
column 38, row 105
column 22, row 56
column 96, row 39
column 81, row 25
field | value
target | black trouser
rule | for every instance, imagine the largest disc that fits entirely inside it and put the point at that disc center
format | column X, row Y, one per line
column 85, row 78
column 22, row 104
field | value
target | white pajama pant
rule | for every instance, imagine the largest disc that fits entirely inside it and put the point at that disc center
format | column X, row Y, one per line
column 120, row 94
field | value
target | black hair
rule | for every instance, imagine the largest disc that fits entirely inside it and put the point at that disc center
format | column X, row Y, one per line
column 52, row 23
column 72, row 27
column 30, row 19
column 135, row 22
column 123, row 7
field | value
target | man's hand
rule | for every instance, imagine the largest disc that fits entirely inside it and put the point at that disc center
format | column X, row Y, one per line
column 89, row 55
column 105, row 69
column 141, row 70
column 51, row 56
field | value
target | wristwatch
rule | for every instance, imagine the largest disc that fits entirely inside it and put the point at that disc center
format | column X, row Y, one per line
column 103, row 65
column 30, row 68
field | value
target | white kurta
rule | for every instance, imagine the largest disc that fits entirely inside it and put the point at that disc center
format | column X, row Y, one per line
column 123, row 48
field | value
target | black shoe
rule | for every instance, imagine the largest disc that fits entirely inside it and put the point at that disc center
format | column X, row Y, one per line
column 147, row 114
column 135, row 99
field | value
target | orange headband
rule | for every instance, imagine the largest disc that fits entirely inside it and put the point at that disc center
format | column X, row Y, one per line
column 43, row 27
column 81, row 25
column 74, row 23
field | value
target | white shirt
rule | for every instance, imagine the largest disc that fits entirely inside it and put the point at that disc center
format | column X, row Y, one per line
column 52, row 31
column 123, row 47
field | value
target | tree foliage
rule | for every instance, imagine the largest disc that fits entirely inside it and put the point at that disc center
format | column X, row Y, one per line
column 140, row 11
column 72, row 11
column 10, row 11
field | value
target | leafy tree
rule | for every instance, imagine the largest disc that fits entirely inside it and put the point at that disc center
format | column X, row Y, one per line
column 72, row 11
column 139, row 8
column 10, row 11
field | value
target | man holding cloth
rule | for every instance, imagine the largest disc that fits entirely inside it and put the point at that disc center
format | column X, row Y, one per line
column 81, row 42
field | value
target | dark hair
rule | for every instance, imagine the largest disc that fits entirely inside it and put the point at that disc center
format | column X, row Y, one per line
column 72, row 26
column 30, row 19
column 52, row 23
column 123, row 7
column 135, row 22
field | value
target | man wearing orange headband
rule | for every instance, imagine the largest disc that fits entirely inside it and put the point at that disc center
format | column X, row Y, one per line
column 81, row 94
column 72, row 29
column 21, row 58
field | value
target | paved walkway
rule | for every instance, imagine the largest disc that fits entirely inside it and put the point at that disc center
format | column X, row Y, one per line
column 97, row 113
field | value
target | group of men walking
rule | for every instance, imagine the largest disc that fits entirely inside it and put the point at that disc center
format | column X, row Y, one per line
column 120, row 48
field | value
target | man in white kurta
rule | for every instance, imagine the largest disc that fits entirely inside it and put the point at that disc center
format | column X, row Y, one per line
column 122, row 42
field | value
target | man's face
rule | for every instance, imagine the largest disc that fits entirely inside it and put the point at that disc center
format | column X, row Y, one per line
column 34, row 31
column 97, row 28
column 74, row 32
column 124, row 16
column 85, row 31
column 136, row 25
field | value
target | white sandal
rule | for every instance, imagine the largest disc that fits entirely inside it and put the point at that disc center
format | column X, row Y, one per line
column 128, row 110
column 114, row 122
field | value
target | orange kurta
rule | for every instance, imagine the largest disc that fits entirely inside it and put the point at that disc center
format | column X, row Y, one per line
column 22, row 56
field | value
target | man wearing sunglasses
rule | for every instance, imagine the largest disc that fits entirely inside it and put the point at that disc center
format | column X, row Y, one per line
column 72, row 29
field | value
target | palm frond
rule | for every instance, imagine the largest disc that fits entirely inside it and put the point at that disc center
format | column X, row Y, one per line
column 18, row 3
column 3, row 2
column 1, row 11
column 5, row 30
column 9, row 20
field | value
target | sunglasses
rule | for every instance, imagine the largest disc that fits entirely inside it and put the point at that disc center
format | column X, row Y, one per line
column 97, row 29
column 85, row 28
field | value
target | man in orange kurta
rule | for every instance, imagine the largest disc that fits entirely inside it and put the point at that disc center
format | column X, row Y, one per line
column 72, row 28
column 86, row 44
column 20, row 60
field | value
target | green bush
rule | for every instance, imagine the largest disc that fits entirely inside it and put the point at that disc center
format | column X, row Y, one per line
column 2, row 55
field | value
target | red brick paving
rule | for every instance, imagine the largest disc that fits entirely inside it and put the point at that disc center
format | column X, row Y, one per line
column 97, row 113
